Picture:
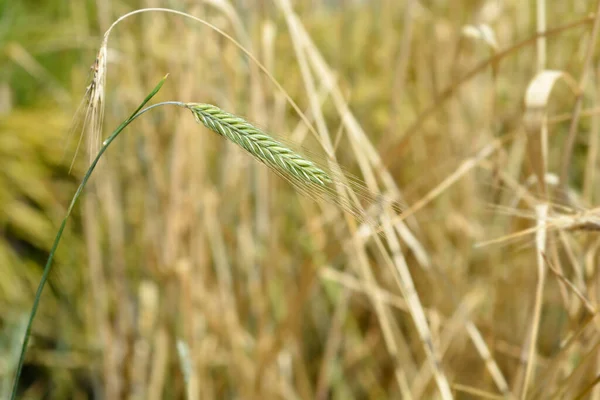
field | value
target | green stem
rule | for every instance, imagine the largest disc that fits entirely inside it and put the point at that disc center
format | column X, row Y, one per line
column 48, row 267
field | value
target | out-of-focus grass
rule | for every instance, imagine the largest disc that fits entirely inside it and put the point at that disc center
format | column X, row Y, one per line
column 191, row 271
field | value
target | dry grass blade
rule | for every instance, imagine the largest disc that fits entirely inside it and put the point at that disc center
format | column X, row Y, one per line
column 591, row 308
column 478, row 393
column 536, row 102
column 542, row 214
column 538, row 94
column 568, row 220
column 407, row 286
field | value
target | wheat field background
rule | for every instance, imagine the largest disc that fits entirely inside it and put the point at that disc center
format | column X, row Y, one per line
column 191, row 271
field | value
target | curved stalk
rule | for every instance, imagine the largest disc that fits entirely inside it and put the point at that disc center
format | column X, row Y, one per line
column 36, row 302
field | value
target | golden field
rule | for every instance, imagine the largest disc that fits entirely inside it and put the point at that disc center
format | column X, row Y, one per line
column 190, row 270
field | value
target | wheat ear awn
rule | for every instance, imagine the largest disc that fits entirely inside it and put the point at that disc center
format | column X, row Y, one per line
column 262, row 146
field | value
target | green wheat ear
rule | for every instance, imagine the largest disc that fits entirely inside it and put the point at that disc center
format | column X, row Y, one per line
column 263, row 147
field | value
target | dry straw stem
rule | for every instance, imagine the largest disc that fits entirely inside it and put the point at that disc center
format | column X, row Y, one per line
column 588, row 220
column 409, row 292
column 536, row 121
column 591, row 308
column 541, row 159
column 476, row 393
column 544, row 389
column 542, row 214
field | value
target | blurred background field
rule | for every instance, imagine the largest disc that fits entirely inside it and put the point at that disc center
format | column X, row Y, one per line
column 190, row 270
